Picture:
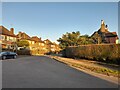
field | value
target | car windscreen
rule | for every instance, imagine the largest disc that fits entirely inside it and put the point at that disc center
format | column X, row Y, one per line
column 12, row 53
column 2, row 52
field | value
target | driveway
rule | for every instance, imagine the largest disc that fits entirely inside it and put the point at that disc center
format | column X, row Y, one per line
column 44, row 72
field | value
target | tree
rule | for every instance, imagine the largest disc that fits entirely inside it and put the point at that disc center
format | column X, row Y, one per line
column 97, row 38
column 73, row 39
column 69, row 39
column 23, row 43
column 85, row 39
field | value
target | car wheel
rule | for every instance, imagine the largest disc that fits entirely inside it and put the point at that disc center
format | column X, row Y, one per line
column 4, row 57
column 15, row 57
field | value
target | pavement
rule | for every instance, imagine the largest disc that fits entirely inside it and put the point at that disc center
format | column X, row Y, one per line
column 44, row 72
column 101, row 70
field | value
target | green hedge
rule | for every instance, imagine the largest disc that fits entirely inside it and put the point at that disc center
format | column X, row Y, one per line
column 103, row 52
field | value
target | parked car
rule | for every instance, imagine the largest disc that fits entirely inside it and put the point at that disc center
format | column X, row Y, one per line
column 8, row 55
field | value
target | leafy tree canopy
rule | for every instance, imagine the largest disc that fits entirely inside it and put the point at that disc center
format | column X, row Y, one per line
column 23, row 43
column 73, row 39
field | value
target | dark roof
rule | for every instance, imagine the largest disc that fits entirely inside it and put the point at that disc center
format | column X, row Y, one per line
column 93, row 34
column 103, row 31
column 111, row 34
column 114, row 33
column 35, row 38
column 5, row 31
column 48, row 41
column 107, row 33
column 24, row 34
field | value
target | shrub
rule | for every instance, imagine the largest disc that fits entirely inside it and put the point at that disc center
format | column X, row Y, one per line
column 38, row 52
column 109, row 53
column 23, row 52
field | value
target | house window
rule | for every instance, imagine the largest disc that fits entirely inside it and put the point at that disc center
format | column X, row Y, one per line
column 52, row 45
column 14, row 39
column 117, row 41
column 8, row 38
column 29, row 42
column 2, row 37
column 11, row 38
column 33, row 42
column 52, row 49
column 42, row 44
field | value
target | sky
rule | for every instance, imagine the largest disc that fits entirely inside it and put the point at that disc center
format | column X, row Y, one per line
column 60, row 0
column 49, row 20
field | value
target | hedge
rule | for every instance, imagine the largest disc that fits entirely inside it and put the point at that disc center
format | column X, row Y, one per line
column 38, row 52
column 29, row 52
column 23, row 52
column 109, row 53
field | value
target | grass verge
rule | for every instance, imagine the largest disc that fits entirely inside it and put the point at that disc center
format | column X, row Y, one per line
column 98, row 69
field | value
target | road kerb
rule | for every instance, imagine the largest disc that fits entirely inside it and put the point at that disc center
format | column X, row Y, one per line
column 99, row 75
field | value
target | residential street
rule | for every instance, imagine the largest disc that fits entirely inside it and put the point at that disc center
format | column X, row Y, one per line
column 43, row 72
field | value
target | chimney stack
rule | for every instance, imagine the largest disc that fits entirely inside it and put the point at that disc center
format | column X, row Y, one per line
column 20, row 34
column 12, row 30
column 102, row 22
column 40, row 38
column 103, row 26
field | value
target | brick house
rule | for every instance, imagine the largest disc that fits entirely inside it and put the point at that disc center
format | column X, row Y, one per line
column 48, row 44
column 7, row 38
column 111, row 37
column 36, row 45
column 23, row 36
column 8, row 41
column 39, row 45
column 103, row 35
column 51, row 46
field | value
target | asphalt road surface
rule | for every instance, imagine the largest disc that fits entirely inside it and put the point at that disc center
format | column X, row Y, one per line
column 43, row 72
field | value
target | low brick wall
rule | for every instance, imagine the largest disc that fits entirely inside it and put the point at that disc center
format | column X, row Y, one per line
column 103, row 52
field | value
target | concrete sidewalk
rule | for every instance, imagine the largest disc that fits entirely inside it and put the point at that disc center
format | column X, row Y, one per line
column 102, row 70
